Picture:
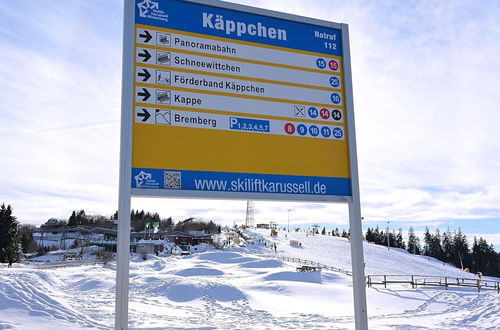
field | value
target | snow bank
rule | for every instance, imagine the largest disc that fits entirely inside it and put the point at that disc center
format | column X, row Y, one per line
column 242, row 288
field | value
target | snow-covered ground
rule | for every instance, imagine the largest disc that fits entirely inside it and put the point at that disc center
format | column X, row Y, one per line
column 243, row 288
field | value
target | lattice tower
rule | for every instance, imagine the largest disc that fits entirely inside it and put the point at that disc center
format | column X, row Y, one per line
column 249, row 222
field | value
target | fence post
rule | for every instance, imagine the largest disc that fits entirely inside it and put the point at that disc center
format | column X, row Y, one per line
column 385, row 281
column 446, row 282
column 412, row 283
column 478, row 286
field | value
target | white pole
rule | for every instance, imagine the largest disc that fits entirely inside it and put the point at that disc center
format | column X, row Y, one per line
column 289, row 219
column 123, row 232
column 357, row 259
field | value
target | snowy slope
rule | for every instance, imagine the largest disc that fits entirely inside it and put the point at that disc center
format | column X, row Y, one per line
column 241, row 288
column 336, row 252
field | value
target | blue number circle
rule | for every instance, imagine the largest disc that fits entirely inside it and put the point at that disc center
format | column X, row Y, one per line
column 321, row 63
column 314, row 130
column 334, row 81
column 337, row 133
column 326, row 131
column 313, row 112
column 302, row 129
column 335, row 98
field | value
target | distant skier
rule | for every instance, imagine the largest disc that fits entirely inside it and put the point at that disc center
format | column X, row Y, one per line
column 480, row 275
column 10, row 263
column 275, row 247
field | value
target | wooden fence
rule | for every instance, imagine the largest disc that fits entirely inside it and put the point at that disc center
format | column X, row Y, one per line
column 316, row 264
column 441, row 281
column 413, row 280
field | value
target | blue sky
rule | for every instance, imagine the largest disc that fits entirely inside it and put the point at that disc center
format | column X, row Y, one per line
column 426, row 78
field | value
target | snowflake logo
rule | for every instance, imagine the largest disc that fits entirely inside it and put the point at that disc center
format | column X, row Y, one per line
column 146, row 7
column 142, row 178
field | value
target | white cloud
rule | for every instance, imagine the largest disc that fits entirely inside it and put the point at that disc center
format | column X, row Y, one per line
column 426, row 77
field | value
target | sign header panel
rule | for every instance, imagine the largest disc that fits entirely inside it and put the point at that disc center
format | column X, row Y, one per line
column 235, row 103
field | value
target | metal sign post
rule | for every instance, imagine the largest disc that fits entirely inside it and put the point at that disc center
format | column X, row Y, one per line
column 124, row 198
column 227, row 101
column 357, row 258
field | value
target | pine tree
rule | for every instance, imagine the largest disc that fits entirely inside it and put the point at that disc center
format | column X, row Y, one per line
column 475, row 255
column 28, row 243
column 418, row 249
column 72, row 219
column 9, row 231
column 427, row 242
column 369, row 235
column 78, row 218
column 376, row 236
column 484, row 258
column 460, row 250
column 399, row 240
column 436, row 249
column 81, row 218
column 447, row 244
column 413, row 242
column 323, row 232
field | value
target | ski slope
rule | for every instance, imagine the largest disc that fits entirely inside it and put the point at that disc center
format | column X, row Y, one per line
column 336, row 252
column 242, row 288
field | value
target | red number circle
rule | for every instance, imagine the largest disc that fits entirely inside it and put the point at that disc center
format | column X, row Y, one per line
column 334, row 65
column 324, row 113
column 289, row 128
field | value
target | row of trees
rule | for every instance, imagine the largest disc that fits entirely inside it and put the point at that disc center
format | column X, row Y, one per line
column 378, row 236
column 448, row 247
column 138, row 221
column 336, row 233
column 454, row 249
column 80, row 218
column 16, row 239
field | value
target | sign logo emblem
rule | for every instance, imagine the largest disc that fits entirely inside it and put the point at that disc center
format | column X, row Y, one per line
column 142, row 178
column 146, row 7
column 145, row 180
column 151, row 9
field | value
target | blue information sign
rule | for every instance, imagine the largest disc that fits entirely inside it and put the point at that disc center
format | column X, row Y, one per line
column 253, row 93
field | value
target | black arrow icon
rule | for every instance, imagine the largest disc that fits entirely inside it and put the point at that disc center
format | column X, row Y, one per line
column 146, row 35
column 146, row 55
column 145, row 74
column 145, row 115
column 145, row 94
